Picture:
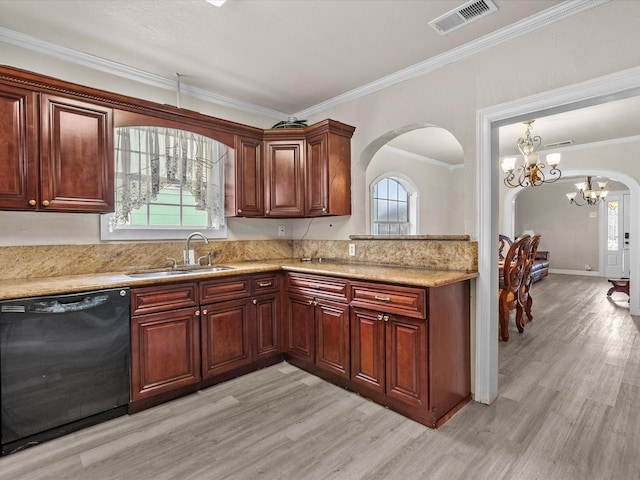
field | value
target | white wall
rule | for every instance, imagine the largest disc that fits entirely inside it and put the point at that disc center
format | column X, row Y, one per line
column 568, row 231
column 434, row 184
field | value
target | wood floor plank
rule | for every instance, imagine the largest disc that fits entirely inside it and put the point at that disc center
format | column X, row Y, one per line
column 568, row 408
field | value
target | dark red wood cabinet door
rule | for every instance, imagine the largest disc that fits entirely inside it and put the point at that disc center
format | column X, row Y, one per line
column 284, row 171
column 300, row 327
column 226, row 339
column 77, row 166
column 406, row 360
column 332, row 337
column 267, row 313
column 249, row 178
column 165, row 352
column 18, row 149
column 367, row 349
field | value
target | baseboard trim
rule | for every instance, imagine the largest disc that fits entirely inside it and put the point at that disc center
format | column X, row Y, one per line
column 583, row 273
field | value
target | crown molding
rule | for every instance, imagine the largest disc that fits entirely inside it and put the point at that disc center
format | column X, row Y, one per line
column 527, row 25
column 102, row 64
column 547, row 17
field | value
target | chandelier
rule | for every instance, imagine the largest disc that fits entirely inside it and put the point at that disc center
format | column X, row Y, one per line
column 587, row 195
column 531, row 172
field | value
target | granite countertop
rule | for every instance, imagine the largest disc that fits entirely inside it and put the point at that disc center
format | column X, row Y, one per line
column 19, row 288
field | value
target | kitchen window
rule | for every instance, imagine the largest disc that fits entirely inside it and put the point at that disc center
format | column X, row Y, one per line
column 168, row 182
column 393, row 206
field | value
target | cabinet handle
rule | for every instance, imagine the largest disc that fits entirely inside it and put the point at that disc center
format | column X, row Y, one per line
column 32, row 203
column 315, row 303
column 255, row 302
column 197, row 314
column 310, row 302
column 382, row 299
column 45, row 203
column 385, row 318
column 265, row 284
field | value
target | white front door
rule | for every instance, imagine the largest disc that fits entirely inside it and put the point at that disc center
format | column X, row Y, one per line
column 615, row 235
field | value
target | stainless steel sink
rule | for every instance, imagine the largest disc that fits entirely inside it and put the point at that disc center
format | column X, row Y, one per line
column 163, row 273
column 171, row 273
column 210, row 269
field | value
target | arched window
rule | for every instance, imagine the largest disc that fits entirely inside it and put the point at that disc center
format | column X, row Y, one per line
column 393, row 207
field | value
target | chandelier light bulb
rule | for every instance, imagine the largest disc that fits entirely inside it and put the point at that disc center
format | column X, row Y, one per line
column 531, row 172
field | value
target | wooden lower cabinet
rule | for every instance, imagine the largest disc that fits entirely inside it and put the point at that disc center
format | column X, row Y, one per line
column 266, row 310
column 407, row 348
column 332, row 337
column 388, row 355
column 317, row 323
column 300, row 327
column 226, row 336
column 166, row 352
column 186, row 336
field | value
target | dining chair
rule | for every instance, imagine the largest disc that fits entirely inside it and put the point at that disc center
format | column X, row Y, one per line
column 513, row 273
column 524, row 294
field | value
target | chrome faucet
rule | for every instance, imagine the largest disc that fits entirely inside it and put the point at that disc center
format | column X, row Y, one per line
column 187, row 245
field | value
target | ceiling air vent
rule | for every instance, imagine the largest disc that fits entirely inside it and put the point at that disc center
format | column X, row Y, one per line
column 562, row 143
column 463, row 15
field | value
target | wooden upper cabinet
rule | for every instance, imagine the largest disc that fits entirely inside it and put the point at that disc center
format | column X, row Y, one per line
column 18, row 147
column 245, row 185
column 284, row 171
column 328, row 167
column 307, row 171
column 56, row 151
column 77, row 166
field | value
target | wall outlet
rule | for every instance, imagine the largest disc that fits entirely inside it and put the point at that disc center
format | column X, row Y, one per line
column 593, row 214
column 281, row 230
column 352, row 249
column 587, row 267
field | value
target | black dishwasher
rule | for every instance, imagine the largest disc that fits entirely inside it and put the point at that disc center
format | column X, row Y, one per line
column 64, row 364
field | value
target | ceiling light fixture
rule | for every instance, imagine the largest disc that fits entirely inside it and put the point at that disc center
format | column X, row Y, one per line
column 217, row 3
column 588, row 195
column 531, row 172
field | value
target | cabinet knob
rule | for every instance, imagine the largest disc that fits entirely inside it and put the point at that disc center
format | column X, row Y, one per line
column 310, row 302
column 255, row 302
column 32, row 203
column 204, row 312
column 197, row 314
column 239, row 210
column 379, row 317
column 267, row 212
column 324, row 209
column 45, row 203
column 385, row 318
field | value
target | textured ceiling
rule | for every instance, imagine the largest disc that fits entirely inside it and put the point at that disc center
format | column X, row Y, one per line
column 285, row 56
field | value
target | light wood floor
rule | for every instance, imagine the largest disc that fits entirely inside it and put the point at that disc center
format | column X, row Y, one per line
column 568, row 408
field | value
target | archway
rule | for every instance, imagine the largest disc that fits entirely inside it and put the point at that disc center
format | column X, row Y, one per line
column 600, row 90
column 431, row 159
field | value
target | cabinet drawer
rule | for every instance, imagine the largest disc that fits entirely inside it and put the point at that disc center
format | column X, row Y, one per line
column 318, row 286
column 228, row 288
column 408, row 301
column 265, row 284
column 163, row 297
